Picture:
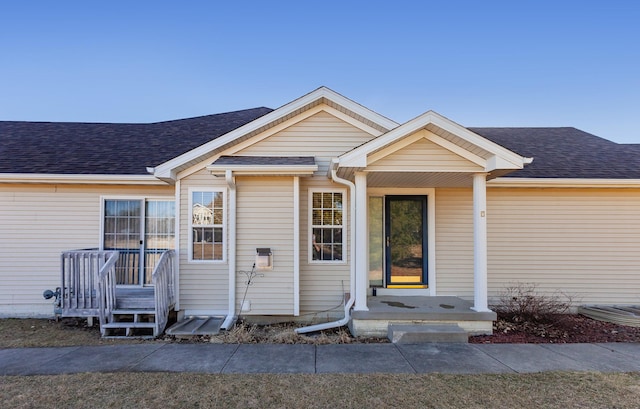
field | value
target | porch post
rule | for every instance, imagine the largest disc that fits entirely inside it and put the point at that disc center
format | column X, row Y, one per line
column 480, row 287
column 360, row 256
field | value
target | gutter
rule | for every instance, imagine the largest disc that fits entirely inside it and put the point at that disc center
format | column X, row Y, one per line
column 51, row 178
column 352, row 269
column 231, row 316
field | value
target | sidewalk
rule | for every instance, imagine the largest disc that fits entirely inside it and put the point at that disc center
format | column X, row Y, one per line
column 346, row 358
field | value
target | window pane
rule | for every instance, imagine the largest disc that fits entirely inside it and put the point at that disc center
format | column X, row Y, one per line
column 217, row 216
column 337, row 252
column 217, row 200
column 317, row 200
column 327, row 200
column 327, row 217
column 207, row 199
column 317, row 217
column 337, row 235
column 337, row 218
column 337, row 200
column 110, row 208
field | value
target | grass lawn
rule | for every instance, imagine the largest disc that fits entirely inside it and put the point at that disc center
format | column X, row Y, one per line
column 154, row 390
column 185, row 390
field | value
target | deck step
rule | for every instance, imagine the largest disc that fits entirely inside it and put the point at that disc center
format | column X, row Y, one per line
column 426, row 333
column 143, row 311
column 118, row 325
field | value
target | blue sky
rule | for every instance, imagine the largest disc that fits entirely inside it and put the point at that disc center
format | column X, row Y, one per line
column 479, row 63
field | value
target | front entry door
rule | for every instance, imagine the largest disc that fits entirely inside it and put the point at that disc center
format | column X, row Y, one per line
column 406, row 241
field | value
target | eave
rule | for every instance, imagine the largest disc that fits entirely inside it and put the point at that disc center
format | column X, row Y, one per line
column 263, row 170
column 81, row 179
column 514, row 182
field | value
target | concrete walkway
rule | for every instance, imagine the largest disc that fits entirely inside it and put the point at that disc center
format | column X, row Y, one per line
column 349, row 358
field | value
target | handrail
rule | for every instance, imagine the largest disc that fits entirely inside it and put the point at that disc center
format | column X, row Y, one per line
column 107, row 289
column 162, row 278
column 79, row 281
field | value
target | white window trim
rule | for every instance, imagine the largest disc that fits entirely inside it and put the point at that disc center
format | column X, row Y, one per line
column 345, row 224
column 225, row 239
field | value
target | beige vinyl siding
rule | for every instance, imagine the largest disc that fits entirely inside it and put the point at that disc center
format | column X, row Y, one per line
column 423, row 156
column 582, row 241
column 38, row 223
column 322, row 135
column 265, row 219
column 585, row 242
column 454, row 242
column 204, row 286
column 322, row 285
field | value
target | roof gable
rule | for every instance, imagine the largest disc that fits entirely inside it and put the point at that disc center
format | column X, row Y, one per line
column 349, row 109
column 442, row 132
column 411, row 157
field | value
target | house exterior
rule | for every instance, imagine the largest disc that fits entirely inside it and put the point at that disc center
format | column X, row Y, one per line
column 327, row 198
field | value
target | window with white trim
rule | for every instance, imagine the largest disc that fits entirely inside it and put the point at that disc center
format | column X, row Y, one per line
column 327, row 232
column 206, row 225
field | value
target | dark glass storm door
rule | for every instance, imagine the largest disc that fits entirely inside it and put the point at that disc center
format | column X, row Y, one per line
column 406, row 241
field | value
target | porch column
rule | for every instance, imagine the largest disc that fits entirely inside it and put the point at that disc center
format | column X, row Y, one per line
column 480, row 287
column 360, row 254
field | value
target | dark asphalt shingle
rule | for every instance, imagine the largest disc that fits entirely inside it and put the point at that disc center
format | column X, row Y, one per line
column 567, row 153
column 127, row 149
column 107, row 148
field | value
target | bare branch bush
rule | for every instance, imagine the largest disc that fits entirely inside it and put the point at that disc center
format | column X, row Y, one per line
column 523, row 302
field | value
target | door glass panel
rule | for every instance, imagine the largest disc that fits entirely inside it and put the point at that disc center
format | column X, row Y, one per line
column 122, row 233
column 405, row 240
column 376, row 241
column 158, row 235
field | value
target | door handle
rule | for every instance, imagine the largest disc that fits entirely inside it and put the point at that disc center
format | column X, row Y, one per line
column 387, row 241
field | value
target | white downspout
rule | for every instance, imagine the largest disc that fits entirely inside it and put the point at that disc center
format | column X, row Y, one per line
column 231, row 316
column 352, row 269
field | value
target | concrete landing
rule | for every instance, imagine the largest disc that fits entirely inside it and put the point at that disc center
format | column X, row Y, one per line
column 427, row 333
column 410, row 310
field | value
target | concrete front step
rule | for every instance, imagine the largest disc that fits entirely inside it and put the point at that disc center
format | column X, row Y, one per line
column 426, row 333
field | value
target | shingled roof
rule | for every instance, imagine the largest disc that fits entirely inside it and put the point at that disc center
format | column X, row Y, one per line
column 567, row 153
column 128, row 149
column 108, row 148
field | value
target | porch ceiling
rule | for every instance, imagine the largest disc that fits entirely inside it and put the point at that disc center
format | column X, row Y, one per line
column 419, row 179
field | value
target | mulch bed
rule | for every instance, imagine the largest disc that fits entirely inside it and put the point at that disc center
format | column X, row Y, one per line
column 563, row 329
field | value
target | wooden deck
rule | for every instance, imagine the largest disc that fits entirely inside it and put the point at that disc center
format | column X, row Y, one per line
column 89, row 289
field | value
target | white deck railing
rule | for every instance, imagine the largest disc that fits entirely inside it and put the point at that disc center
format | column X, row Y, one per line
column 162, row 278
column 107, row 290
column 79, row 284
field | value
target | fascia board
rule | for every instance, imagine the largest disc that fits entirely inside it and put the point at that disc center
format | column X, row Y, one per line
column 80, row 179
column 164, row 169
column 357, row 108
column 249, row 169
column 481, row 142
column 563, row 182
